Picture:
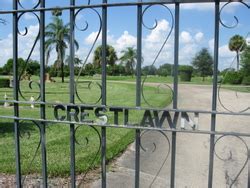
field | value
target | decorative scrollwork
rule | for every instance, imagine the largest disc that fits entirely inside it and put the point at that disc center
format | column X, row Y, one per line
column 27, row 135
column 154, row 148
column 34, row 6
column 85, row 143
column 229, row 158
column 236, row 93
column 162, row 46
column 29, row 55
column 236, row 20
column 89, row 83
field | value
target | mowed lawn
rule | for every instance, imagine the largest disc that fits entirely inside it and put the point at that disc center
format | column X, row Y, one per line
column 58, row 135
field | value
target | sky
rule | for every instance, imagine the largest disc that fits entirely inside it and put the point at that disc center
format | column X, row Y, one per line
column 196, row 30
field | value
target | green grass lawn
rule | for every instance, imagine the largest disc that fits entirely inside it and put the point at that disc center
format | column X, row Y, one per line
column 239, row 88
column 58, row 135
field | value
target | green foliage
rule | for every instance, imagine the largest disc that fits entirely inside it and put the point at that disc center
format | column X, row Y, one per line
column 111, row 56
column 237, row 43
column 233, row 77
column 149, row 70
column 165, row 70
column 224, row 72
column 203, row 63
column 8, row 67
column 4, row 82
column 246, row 80
column 57, row 37
column 33, row 67
column 52, row 71
column 128, row 59
column 1, row 71
column 185, row 72
column 57, row 136
column 245, row 61
column 89, row 69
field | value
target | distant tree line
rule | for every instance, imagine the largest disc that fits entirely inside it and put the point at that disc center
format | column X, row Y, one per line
column 57, row 37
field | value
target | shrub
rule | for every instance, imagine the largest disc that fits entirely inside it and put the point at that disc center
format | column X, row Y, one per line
column 233, row 77
column 246, row 80
column 186, row 72
column 4, row 82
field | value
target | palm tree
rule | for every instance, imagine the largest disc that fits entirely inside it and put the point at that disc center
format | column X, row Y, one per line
column 57, row 37
column 77, row 60
column 110, row 55
column 237, row 43
column 129, row 58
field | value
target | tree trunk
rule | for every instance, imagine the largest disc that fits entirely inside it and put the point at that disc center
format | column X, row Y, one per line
column 62, row 71
column 61, row 64
column 238, row 60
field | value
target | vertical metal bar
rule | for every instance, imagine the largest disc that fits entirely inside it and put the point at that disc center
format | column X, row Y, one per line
column 103, row 155
column 175, row 97
column 72, row 93
column 138, row 91
column 15, row 95
column 104, row 88
column 248, row 179
column 176, row 54
column 137, row 158
column 42, row 92
column 139, row 55
column 104, row 46
column 214, row 99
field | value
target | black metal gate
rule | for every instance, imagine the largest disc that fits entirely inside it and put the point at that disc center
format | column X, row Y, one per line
column 153, row 117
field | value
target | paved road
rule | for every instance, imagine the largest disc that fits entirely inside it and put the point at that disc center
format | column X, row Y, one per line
column 192, row 151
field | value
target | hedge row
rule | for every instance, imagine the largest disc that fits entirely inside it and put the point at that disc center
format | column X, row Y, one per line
column 233, row 77
column 4, row 82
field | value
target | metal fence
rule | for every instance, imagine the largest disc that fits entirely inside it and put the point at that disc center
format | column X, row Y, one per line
column 73, row 110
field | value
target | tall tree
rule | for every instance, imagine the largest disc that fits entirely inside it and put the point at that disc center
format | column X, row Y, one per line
column 165, row 70
column 111, row 56
column 57, row 37
column 245, row 61
column 237, row 43
column 129, row 59
column 77, row 60
column 203, row 63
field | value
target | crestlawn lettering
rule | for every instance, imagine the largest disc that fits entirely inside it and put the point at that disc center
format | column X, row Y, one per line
column 150, row 118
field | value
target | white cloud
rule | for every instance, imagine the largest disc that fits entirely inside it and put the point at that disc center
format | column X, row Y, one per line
column 91, row 38
column 199, row 37
column 25, row 44
column 230, row 8
column 29, row 16
column 159, row 32
column 211, row 44
column 225, row 52
column 185, row 37
column 226, row 57
column 153, row 42
column 124, row 41
column 248, row 40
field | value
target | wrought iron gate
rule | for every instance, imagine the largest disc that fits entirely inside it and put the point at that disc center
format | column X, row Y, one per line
column 164, row 120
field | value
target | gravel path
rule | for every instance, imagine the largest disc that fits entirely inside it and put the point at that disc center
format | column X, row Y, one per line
column 192, row 151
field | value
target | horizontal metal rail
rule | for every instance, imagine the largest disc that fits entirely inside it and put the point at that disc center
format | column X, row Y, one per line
column 131, row 127
column 100, row 6
column 134, row 108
